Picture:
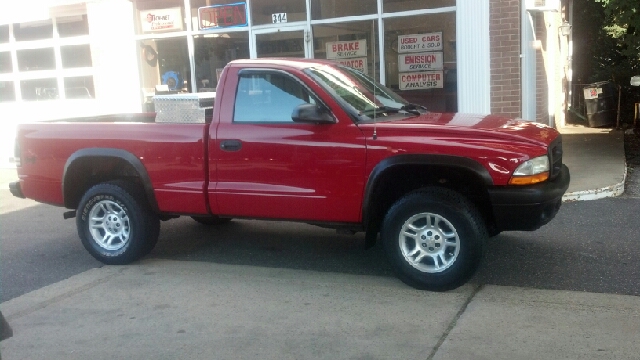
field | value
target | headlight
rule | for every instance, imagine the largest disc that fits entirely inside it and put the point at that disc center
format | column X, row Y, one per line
column 531, row 171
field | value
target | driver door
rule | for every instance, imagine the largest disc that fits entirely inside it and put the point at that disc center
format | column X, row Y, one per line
column 271, row 167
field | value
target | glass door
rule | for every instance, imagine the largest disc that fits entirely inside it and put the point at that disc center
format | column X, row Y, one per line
column 288, row 42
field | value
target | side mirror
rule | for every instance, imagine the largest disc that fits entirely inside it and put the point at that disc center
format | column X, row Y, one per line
column 310, row 113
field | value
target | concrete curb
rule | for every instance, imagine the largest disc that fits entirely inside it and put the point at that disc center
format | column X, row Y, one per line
column 56, row 292
column 167, row 309
column 595, row 194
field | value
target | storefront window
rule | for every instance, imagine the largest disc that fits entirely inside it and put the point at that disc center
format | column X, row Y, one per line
column 72, row 26
column 278, row 11
column 45, row 59
column 420, row 56
column 33, row 31
column 39, row 89
column 326, row 9
column 4, row 34
column 213, row 52
column 159, row 16
column 36, row 59
column 74, row 56
column 80, row 87
column 351, row 44
column 165, row 62
column 5, row 62
column 7, row 92
column 281, row 44
column 406, row 5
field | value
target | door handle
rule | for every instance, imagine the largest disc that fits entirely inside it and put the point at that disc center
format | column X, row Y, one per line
column 230, row 145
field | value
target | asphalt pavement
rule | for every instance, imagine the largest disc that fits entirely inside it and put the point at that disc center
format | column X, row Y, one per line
column 195, row 305
column 163, row 309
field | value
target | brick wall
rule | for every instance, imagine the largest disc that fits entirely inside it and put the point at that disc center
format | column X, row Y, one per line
column 505, row 57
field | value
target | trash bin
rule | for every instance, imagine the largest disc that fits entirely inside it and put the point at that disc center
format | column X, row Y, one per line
column 600, row 103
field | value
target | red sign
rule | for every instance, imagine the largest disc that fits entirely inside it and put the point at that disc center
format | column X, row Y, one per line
column 421, row 80
column 219, row 16
column 420, row 42
column 420, row 61
column 359, row 64
column 161, row 20
column 346, row 49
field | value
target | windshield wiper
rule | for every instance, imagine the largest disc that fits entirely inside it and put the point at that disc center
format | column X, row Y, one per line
column 390, row 109
column 411, row 106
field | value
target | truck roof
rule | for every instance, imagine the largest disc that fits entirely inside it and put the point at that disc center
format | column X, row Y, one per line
column 289, row 62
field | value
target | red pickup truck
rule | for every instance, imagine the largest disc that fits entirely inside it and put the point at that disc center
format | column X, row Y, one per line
column 301, row 140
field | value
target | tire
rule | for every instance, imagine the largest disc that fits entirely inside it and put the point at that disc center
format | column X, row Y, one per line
column 434, row 239
column 115, row 223
column 211, row 220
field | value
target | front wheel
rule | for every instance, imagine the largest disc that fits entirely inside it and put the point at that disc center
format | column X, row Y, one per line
column 434, row 239
column 115, row 224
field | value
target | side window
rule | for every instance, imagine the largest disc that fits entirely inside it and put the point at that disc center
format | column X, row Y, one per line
column 269, row 98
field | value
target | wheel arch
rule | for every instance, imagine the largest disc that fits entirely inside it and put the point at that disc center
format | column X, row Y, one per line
column 90, row 166
column 389, row 181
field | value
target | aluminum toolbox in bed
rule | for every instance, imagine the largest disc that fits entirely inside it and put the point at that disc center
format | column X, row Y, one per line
column 184, row 108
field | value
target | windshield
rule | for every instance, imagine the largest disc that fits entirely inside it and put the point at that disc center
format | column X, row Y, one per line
column 356, row 90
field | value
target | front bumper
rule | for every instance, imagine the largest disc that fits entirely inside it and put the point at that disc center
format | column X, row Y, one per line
column 16, row 190
column 528, row 208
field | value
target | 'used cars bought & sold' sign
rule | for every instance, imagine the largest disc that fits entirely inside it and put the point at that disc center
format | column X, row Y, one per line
column 420, row 42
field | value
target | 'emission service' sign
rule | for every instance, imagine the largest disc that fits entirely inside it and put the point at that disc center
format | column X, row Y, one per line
column 161, row 20
column 420, row 42
column 346, row 49
column 421, row 80
column 359, row 64
column 420, row 61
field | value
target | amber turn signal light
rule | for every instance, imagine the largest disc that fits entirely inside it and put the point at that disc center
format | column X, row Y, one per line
column 529, row 179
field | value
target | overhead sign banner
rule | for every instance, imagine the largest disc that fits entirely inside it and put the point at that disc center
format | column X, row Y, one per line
column 346, row 49
column 359, row 64
column 222, row 16
column 420, row 42
column 161, row 20
column 421, row 80
column 420, row 61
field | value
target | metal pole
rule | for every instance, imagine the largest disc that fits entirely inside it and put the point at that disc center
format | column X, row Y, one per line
column 619, row 97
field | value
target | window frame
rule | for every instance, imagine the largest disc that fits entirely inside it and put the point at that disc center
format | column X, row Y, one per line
column 58, row 72
column 265, row 71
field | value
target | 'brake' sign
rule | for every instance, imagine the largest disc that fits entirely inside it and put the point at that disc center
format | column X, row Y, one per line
column 420, row 42
column 420, row 62
column 346, row 49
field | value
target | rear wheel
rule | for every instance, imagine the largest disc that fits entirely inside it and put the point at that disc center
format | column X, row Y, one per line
column 115, row 224
column 434, row 239
column 211, row 220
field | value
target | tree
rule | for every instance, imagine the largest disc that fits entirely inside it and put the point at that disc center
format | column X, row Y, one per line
column 606, row 37
column 622, row 22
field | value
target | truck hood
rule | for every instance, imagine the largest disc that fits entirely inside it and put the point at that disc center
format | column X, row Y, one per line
column 484, row 126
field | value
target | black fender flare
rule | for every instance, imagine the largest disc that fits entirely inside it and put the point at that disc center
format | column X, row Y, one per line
column 115, row 154
column 418, row 159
